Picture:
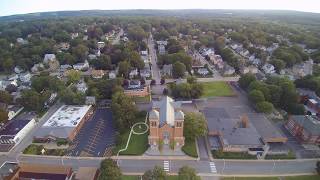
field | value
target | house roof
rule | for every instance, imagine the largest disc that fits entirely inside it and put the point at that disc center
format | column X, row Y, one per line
column 310, row 123
column 167, row 108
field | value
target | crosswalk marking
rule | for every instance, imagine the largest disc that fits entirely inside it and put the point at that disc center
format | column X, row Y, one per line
column 213, row 167
column 166, row 166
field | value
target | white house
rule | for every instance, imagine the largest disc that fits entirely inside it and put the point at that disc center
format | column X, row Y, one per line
column 81, row 66
column 13, row 77
column 49, row 57
column 203, row 71
column 145, row 73
column 18, row 70
column 100, row 44
column 37, row 67
column 112, row 75
column 25, row 77
column 82, row 87
column 133, row 73
column 22, row 41
column 268, row 68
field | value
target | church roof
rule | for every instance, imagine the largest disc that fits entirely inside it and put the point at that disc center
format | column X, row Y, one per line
column 167, row 108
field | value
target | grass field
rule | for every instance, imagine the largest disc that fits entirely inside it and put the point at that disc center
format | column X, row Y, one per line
column 311, row 177
column 232, row 155
column 215, row 89
column 190, row 148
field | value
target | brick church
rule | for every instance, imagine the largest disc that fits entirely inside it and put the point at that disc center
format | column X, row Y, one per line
column 166, row 123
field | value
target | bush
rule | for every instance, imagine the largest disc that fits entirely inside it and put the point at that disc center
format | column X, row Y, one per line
column 256, row 96
column 62, row 142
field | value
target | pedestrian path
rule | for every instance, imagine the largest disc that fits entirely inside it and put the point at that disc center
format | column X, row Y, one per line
column 213, row 167
column 166, row 166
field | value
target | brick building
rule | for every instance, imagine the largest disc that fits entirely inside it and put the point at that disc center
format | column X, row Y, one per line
column 135, row 88
column 166, row 123
column 305, row 128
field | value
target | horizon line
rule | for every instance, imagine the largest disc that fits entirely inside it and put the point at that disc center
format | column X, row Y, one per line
column 30, row 13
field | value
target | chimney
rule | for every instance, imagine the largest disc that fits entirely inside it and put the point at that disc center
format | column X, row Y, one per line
column 244, row 121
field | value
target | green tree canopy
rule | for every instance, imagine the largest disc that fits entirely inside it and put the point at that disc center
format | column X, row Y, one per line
column 109, row 170
column 195, row 125
column 187, row 173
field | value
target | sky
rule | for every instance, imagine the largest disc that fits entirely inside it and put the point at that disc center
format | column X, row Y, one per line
column 11, row 7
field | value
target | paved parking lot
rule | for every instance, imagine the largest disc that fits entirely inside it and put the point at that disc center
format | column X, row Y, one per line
column 97, row 136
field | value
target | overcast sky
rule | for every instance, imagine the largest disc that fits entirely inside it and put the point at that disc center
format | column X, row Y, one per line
column 10, row 7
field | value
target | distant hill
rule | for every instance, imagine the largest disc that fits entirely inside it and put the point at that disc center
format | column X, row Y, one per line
column 292, row 16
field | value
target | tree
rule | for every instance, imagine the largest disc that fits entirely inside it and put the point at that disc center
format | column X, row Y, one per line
column 245, row 80
column 178, row 70
column 73, row 76
column 32, row 100
column 256, row 96
column 156, row 174
column 109, row 170
column 5, row 97
column 80, row 51
column 72, row 97
column 124, row 68
column 264, row 107
column 194, row 125
column 3, row 115
column 191, row 79
column 278, row 64
column 135, row 60
column 124, row 110
column 187, row 173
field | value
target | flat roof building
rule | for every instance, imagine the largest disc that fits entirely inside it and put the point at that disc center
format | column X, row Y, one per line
column 15, row 130
column 64, row 123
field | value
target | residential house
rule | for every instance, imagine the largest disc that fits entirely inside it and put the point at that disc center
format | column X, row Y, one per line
column 250, row 69
column 166, row 121
column 268, row 68
column 165, row 43
column 18, row 70
column 13, row 77
column 65, row 67
column 133, row 73
column 135, row 88
column 305, row 128
column 228, row 70
column 90, row 100
column 100, row 44
column 64, row 46
column 303, row 69
column 161, row 49
column 74, row 35
column 81, row 66
column 51, row 61
column 22, row 41
column 37, row 68
column 112, row 74
column 97, row 74
column 25, row 77
column 145, row 73
column 82, row 86
column 167, row 70
column 203, row 71
column 92, row 56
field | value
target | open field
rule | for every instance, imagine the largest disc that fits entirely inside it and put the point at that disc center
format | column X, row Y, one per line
column 215, row 89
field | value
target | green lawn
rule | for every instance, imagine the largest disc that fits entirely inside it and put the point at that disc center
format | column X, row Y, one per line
column 138, row 178
column 36, row 150
column 130, row 178
column 290, row 155
column 214, row 89
column 145, row 99
column 250, row 178
column 190, row 148
column 311, row 177
column 232, row 155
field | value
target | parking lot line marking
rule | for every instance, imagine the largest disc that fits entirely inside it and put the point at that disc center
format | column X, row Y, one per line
column 213, row 167
column 166, row 166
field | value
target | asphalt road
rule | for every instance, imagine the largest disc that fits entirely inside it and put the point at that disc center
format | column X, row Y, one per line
column 223, row 167
column 153, row 56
